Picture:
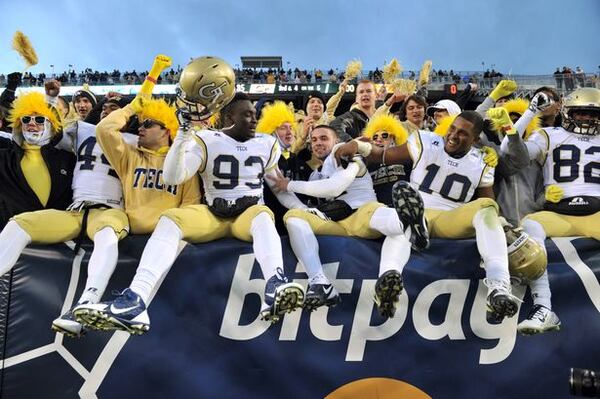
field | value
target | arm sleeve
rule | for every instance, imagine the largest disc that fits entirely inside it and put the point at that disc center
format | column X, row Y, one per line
column 524, row 121
column 327, row 188
column 183, row 160
column 537, row 146
column 515, row 158
column 288, row 199
column 108, row 135
column 487, row 177
column 484, row 106
column 273, row 157
column 332, row 104
column 384, row 109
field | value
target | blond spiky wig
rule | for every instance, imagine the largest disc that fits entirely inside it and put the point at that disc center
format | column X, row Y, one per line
column 442, row 128
column 273, row 116
column 159, row 110
column 33, row 103
column 519, row 106
column 386, row 123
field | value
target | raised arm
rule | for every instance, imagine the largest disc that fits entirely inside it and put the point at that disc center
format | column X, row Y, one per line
column 183, row 159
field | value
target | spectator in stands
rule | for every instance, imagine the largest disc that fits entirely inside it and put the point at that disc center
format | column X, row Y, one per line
column 350, row 124
column 412, row 113
column 559, row 78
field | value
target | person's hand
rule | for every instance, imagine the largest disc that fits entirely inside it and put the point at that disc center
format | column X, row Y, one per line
column 137, row 104
column 554, row 193
column 540, row 102
column 52, row 88
column 112, row 94
column 362, row 167
column 346, row 151
column 503, row 88
column 396, row 97
column 307, row 126
column 279, row 182
column 491, row 156
column 343, row 86
column 318, row 213
column 499, row 117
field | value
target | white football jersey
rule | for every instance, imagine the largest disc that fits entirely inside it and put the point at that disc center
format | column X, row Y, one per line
column 93, row 178
column 233, row 169
column 358, row 193
column 445, row 182
column 569, row 160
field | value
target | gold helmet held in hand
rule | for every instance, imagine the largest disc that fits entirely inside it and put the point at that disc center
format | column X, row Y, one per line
column 585, row 102
column 206, row 85
column 527, row 260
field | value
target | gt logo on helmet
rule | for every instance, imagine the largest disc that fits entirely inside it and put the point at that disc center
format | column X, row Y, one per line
column 212, row 94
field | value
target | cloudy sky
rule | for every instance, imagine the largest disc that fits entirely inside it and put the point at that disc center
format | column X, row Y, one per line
column 518, row 36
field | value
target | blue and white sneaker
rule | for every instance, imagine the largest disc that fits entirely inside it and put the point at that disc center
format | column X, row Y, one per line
column 67, row 325
column 127, row 312
column 281, row 297
column 411, row 211
column 318, row 295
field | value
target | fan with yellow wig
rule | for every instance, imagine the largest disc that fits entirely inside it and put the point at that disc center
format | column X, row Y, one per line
column 273, row 116
column 33, row 103
column 519, row 106
column 158, row 110
column 442, row 127
column 386, row 123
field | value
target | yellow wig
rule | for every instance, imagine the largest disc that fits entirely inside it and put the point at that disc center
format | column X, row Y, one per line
column 442, row 127
column 386, row 123
column 273, row 116
column 519, row 106
column 33, row 103
column 159, row 110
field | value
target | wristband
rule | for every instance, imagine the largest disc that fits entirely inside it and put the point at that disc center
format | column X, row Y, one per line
column 364, row 148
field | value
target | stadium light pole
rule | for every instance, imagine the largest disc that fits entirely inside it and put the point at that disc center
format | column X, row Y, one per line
column 53, row 74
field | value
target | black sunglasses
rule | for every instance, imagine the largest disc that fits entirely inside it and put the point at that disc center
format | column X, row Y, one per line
column 40, row 120
column 148, row 123
column 383, row 135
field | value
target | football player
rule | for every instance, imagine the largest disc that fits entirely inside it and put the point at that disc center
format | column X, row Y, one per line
column 569, row 157
column 456, row 186
column 351, row 209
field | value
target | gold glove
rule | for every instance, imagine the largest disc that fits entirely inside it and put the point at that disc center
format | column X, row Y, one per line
column 491, row 156
column 503, row 89
column 501, row 121
column 554, row 193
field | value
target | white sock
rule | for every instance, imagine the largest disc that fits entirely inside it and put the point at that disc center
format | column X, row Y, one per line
column 306, row 248
column 491, row 243
column 13, row 240
column 101, row 265
column 266, row 244
column 535, row 231
column 158, row 257
column 540, row 291
column 386, row 221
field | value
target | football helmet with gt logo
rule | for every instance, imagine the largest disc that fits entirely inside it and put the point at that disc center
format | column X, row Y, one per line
column 206, row 85
column 527, row 260
column 581, row 111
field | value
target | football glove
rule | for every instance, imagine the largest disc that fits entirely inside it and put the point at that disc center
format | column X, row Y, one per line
column 491, row 156
column 540, row 102
column 503, row 88
column 554, row 193
column 499, row 117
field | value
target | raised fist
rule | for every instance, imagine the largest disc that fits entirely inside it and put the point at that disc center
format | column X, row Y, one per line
column 500, row 119
column 52, row 87
column 503, row 88
column 162, row 61
column 540, row 102
column 13, row 80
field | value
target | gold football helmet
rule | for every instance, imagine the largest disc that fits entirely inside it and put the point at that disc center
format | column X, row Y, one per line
column 206, row 85
column 587, row 101
column 527, row 260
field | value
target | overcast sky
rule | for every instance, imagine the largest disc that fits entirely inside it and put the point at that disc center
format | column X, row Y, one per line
column 518, row 36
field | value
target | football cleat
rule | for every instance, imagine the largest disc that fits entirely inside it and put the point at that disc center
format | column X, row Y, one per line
column 410, row 209
column 127, row 312
column 281, row 297
column 387, row 292
column 539, row 320
column 500, row 302
column 68, row 325
column 318, row 295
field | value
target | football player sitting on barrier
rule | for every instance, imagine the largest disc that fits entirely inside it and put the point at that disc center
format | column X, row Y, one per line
column 351, row 209
column 456, row 186
column 140, row 169
column 569, row 157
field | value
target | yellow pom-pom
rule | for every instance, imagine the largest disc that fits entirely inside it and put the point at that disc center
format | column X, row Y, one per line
column 442, row 128
column 386, row 123
column 23, row 46
column 353, row 69
column 391, row 71
column 424, row 74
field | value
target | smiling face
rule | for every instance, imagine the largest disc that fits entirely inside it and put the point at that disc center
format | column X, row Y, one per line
column 322, row 140
column 460, row 137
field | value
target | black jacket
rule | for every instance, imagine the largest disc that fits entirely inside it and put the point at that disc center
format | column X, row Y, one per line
column 15, row 194
column 350, row 125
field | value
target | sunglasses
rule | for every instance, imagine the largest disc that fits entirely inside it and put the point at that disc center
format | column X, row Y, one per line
column 40, row 120
column 148, row 123
column 383, row 135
